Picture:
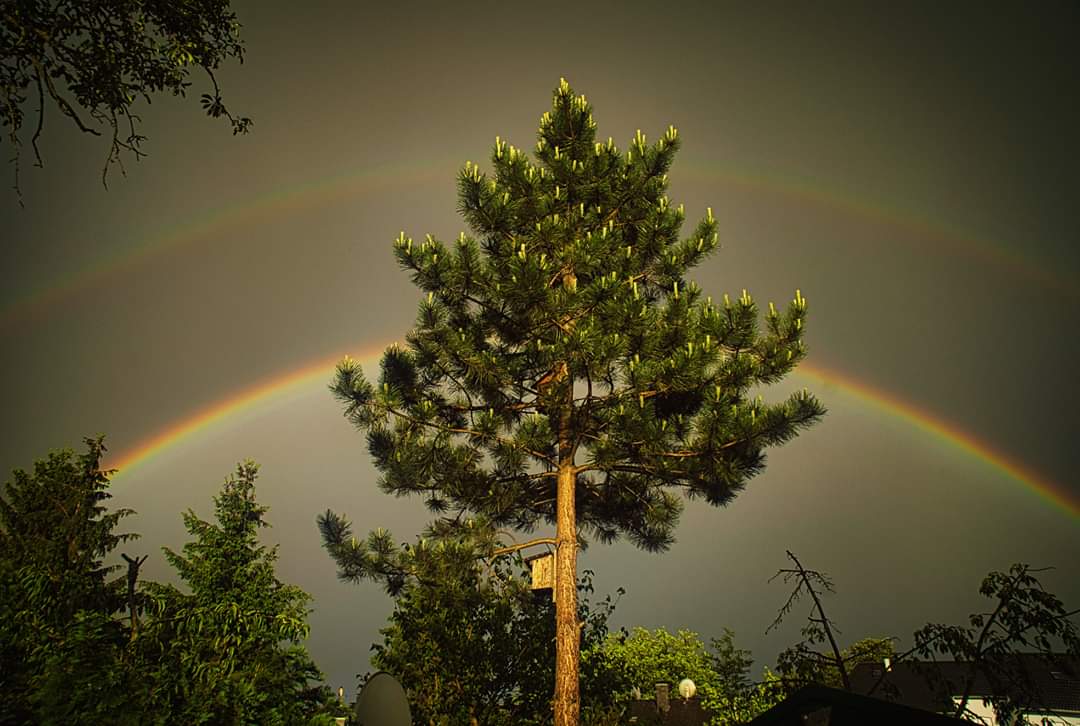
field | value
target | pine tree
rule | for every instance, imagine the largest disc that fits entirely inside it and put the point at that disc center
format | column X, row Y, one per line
column 564, row 370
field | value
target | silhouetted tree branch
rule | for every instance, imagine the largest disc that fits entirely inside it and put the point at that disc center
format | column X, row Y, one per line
column 132, row 578
column 100, row 56
column 820, row 625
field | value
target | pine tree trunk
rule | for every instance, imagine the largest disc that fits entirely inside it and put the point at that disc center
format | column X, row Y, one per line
column 567, row 635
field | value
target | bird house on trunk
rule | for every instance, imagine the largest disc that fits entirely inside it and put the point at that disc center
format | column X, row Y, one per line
column 543, row 572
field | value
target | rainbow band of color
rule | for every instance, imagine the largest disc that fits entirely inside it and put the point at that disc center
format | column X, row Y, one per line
column 349, row 184
column 322, row 371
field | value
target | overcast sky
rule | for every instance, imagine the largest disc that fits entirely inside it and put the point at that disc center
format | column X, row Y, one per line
column 912, row 170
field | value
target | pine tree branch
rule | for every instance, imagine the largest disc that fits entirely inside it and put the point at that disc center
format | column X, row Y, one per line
column 627, row 489
column 461, row 388
column 531, row 543
column 534, row 477
column 639, row 469
column 469, row 432
column 486, row 306
column 461, row 363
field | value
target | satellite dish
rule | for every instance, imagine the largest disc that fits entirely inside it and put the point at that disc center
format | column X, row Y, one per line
column 687, row 689
column 382, row 702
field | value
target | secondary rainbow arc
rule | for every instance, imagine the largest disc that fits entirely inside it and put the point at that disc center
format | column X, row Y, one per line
column 313, row 193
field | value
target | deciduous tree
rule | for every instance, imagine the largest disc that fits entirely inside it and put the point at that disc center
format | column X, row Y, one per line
column 564, row 370
column 719, row 670
column 93, row 59
column 471, row 643
column 647, row 657
column 228, row 651
column 1024, row 616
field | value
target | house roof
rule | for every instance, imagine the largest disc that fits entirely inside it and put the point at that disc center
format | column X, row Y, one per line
column 932, row 685
column 831, row 707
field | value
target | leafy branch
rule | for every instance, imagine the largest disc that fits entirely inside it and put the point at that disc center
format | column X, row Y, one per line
column 100, row 57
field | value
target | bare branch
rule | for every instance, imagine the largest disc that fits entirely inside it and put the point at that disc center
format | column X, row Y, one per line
column 805, row 578
column 42, row 75
column 41, row 120
column 524, row 545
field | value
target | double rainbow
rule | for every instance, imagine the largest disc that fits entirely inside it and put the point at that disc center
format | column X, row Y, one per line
column 350, row 184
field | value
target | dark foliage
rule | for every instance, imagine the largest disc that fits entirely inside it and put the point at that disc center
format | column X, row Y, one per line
column 93, row 59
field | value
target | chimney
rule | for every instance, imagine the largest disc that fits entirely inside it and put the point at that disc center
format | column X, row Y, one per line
column 662, row 704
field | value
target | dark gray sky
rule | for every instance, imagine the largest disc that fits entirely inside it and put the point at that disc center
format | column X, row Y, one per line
column 912, row 170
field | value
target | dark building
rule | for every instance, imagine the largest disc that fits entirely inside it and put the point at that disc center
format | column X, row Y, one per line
column 821, row 706
column 1049, row 687
column 912, row 693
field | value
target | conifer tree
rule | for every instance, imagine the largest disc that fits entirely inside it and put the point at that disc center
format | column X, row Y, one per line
column 563, row 369
column 58, row 633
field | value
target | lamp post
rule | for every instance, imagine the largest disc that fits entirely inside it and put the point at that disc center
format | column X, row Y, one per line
column 341, row 720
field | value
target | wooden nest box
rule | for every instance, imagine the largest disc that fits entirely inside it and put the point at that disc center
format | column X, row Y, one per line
column 543, row 573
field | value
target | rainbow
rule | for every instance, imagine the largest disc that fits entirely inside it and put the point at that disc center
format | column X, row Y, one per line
column 310, row 194
column 348, row 184
column 205, row 419
column 1050, row 491
column 322, row 370
column 994, row 253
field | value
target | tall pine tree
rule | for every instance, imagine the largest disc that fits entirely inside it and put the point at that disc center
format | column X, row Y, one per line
column 564, row 370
